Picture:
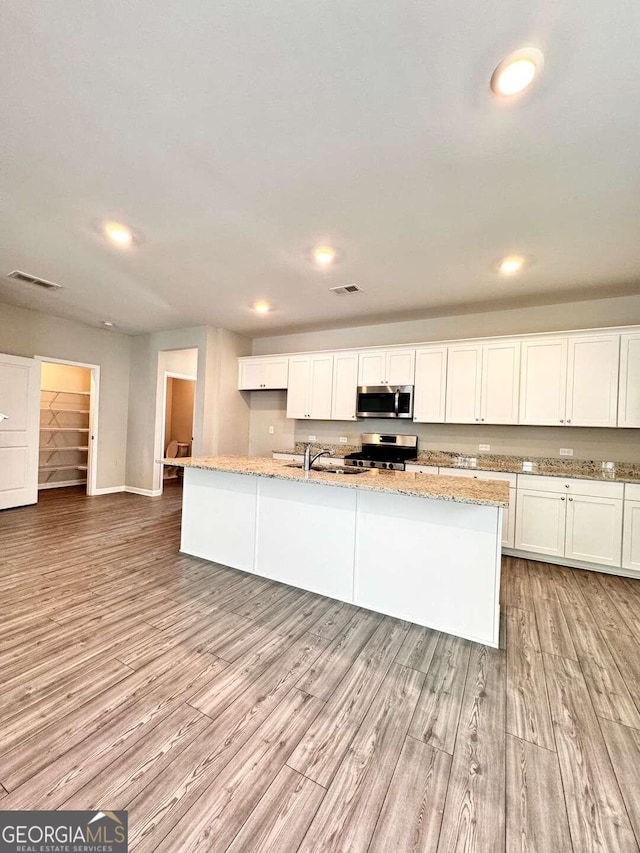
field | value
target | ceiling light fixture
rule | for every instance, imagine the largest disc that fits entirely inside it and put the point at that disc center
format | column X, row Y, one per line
column 261, row 307
column 108, row 324
column 511, row 265
column 324, row 255
column 119, row 234
column 517, row 72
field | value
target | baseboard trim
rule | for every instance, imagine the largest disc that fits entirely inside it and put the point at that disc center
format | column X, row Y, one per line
column 61, row 485
column 570, row 564
column 147, row 493
column 108, row 490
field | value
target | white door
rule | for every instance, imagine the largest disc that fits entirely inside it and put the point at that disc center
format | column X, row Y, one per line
column 464, row 371
column 592, row 380
column 631, row 543
column 298, row 390
column 594, row 530
column 19, row 430
column 540, row 522
column 629, row 402
column 430, row 385
column 500, row 382
column 345, row 386
column 276, row 372
column 372, row 367
column 400, row 366
column 543, row 381
column 320, row 387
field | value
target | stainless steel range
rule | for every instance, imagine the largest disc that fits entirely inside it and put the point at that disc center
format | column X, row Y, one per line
column 384, row 451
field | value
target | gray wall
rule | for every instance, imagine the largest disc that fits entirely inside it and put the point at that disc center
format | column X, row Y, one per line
column 29, row 333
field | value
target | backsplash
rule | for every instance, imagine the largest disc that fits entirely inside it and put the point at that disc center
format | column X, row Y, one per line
column 614, row 445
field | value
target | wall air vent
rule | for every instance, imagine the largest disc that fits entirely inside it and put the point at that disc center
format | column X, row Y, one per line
column 26, row 278
column 345, row 288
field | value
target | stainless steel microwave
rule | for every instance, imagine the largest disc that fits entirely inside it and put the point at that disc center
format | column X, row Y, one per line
column 385, row 401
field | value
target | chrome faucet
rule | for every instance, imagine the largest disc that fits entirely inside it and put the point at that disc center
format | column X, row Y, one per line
column 309, row 459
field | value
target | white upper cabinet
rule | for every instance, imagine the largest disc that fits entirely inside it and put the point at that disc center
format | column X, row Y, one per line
column 262, row 373
column 387, row 367
column 592, row 380
column 345, row 386
column 500, row 382
column 629, row 399
column 310, row 386
column 430, row 385
column 464, row 383
column 543, row 381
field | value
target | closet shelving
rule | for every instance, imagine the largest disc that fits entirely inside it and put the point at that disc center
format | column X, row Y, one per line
column 64, row 428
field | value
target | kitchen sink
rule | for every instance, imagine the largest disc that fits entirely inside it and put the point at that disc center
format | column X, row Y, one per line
column 327, row 470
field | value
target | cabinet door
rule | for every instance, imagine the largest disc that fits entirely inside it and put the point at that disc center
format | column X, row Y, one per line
column 345, row 387
column 464, row 370
column 430, row 385
column 592, row 380
column 372, row 367
column 500, row 382
column 543, row 381
column 276, row 373
column 298, row 390
column 400, row 367
column 631, row 542
column 594, row 530
column 629, row 401
column 320, row 386
column 540, row 522
column 251, row 375
column 509, row 522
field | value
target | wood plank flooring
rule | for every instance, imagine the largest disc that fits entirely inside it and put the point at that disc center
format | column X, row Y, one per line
column 233, row 714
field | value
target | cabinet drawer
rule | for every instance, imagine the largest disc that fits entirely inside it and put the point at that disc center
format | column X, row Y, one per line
column 481, row 475
column 565, row 485
column 632, row 491
column 422, row 469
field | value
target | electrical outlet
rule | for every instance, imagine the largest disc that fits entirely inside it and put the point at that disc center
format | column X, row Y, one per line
column 311, row 438
column 343, row 439
column 566, row 451
column 484, row 447
column 527, row 467
column 271, row 430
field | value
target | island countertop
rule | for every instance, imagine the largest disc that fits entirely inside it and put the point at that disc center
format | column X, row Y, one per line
column 434, row 486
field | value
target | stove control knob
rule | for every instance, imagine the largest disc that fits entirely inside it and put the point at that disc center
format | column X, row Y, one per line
column 384, row 464
column 361, row 463
column 372, row 464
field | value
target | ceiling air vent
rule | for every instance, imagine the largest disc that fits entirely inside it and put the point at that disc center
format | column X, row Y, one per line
column 25, row 278
column 345, row 288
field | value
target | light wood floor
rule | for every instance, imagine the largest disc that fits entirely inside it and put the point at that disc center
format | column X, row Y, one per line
column 230, row 713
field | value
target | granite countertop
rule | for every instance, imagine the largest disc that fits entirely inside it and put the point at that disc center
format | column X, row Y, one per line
column 434, row 486
column 581, row 469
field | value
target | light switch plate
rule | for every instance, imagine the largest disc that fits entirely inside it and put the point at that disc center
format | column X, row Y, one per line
column 343, row 439
column 271, row 430
column 311, row 438
column 566, row 451
column 484, row 447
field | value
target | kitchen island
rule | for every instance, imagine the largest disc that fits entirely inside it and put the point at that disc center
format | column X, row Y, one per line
column 418, row 547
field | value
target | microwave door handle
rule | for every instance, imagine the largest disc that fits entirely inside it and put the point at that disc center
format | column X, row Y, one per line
column 397, row 398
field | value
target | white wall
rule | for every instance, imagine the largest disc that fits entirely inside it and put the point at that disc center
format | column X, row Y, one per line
column 621, row 311
column 29, row 333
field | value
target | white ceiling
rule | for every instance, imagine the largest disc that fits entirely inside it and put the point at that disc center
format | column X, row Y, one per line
column 235, row 135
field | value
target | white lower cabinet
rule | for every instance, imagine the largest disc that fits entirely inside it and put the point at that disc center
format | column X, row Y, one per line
column 540, row 522
column 578, row 520
column 631, row 540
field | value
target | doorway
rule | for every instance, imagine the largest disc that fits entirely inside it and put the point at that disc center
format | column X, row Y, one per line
column 68, row 425
column 179, row 397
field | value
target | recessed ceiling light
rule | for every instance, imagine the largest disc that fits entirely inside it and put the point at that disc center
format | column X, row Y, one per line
column 511, row 265
column 324, row 255
column 118, row 233
column 517, row 72
column 108, row 324
column 261, row 307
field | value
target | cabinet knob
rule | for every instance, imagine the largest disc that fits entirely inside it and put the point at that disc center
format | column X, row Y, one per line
column 562, row 498
column 482, row 419
column 570, row 499
column 561, row 420
column 568, row 420
column 566, row 485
